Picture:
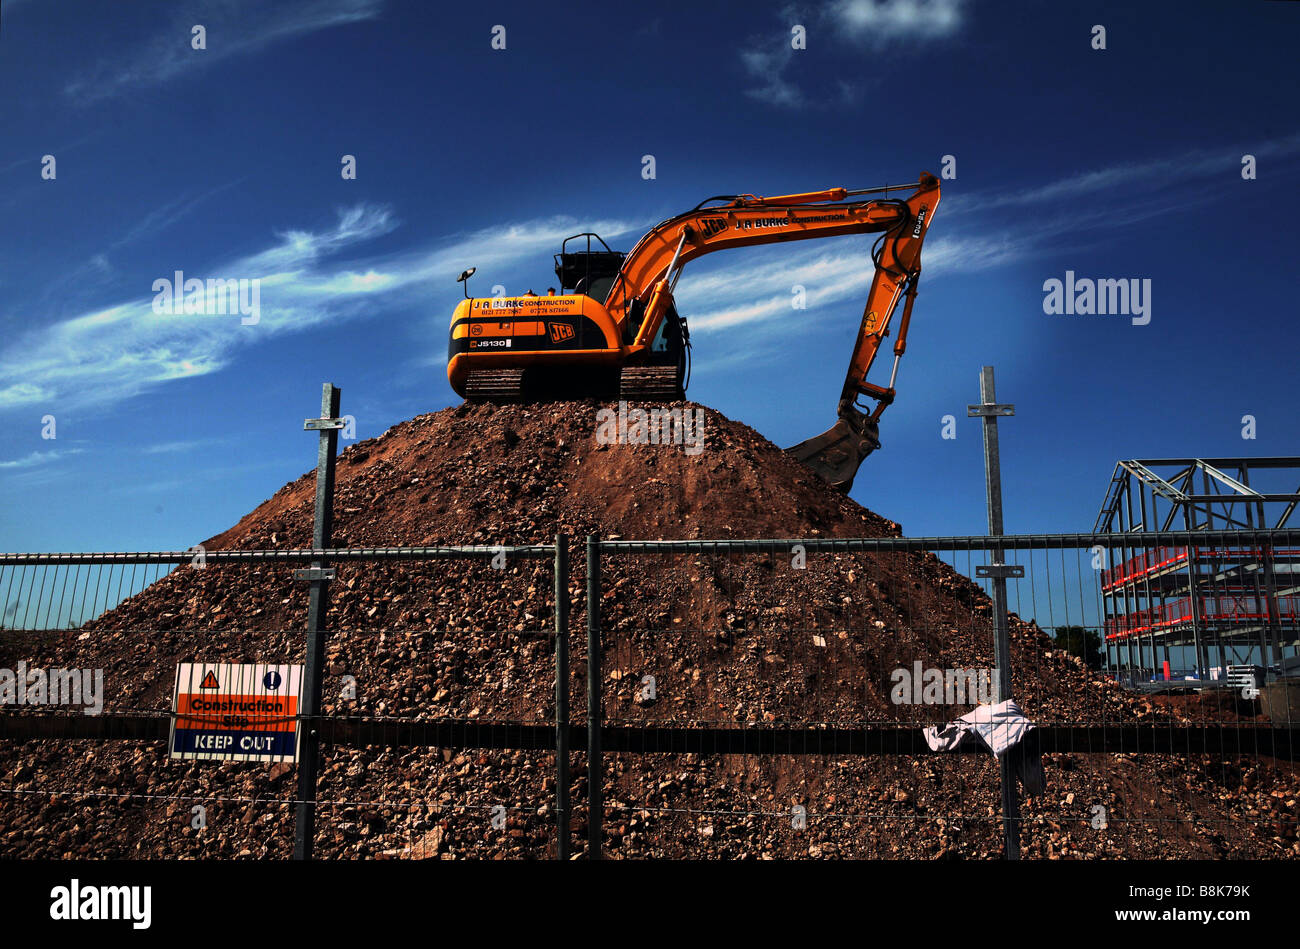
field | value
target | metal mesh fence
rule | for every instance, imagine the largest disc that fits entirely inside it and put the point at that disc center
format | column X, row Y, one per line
column 757, row 699
column 51, row 596
column 771, row 635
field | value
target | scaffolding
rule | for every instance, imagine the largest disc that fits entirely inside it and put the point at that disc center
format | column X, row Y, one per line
column 1202, row 611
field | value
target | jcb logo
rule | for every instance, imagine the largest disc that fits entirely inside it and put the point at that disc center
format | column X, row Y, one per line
column 560, row 332
column 711, row 225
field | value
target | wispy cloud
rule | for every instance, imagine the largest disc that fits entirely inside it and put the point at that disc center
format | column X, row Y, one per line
column 126, row 347
column 1150, row 176
column 165, row 216
column 872, row 24
column 121, row 349
column 99, row 266
column 879, row 23
column 766, row 65
column 29, row 161
column 1065, row 218
column 234, row 27
column 763, row 290
column 180, row 447
column 37, row 459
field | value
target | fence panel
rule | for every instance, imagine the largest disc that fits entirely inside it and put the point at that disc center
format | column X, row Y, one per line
column 760, row 699
column 888, row 638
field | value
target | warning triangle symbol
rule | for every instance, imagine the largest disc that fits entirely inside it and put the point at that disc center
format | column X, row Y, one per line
column 209, row 681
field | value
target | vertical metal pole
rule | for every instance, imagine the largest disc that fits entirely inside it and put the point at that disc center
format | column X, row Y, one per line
column 1270, row 602
column 595, row 713
column 561, row 697
column 1132, row 586
column 1193, row 588
column 1254, row 583
column 308, row 762
column 1213, row 635
column 1001, row 639
column 1273, row 633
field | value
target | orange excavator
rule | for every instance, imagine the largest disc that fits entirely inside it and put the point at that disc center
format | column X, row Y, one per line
column 614, row 326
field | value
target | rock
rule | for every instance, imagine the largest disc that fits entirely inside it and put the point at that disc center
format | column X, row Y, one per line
column 729, row 640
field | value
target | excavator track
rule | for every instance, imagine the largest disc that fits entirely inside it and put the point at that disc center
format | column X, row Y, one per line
column 650, row 384
column 494, row 385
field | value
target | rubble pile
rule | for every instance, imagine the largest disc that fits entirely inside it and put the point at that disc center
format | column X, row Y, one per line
column 707, row 638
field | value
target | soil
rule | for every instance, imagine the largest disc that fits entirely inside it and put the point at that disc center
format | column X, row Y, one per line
column 723, row 639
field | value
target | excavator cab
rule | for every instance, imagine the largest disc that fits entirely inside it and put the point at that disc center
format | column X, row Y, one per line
column 589, row 272
column 664, row 370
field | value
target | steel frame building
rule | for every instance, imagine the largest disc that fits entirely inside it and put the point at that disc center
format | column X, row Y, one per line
column 1225, row 604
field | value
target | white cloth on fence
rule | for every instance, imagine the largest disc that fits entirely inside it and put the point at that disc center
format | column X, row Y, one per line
column 1000, row 727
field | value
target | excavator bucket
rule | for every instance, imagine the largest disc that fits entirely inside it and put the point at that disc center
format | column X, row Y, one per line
column 836, row 453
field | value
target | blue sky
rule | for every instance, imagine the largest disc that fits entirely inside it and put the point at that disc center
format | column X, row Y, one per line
column 225, row 162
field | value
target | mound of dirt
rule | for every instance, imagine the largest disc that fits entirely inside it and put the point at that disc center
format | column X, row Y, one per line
column 719, row 639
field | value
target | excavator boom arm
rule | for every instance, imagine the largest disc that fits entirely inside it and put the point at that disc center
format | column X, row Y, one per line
column 650, row 271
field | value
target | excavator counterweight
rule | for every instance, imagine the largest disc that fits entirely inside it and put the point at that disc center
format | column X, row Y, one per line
column 614, row 325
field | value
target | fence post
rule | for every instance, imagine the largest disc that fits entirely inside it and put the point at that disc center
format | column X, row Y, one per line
column 561, row 697
column 989, row 410
column 595, row 771
column 320, row 574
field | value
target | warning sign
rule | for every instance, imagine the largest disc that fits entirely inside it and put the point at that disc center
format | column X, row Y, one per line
column 236, row 711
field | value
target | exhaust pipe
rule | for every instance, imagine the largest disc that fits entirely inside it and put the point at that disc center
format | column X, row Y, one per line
column 837, row 453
